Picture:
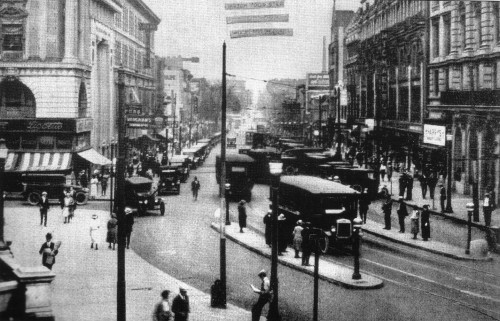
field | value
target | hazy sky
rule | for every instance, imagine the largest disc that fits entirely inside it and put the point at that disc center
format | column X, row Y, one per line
column 197, row 28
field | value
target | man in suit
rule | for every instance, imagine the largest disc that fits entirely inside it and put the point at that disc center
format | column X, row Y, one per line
column 180, row 305
column 442, row 197
column 43, row 203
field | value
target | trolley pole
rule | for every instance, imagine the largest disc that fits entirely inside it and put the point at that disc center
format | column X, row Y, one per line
column 120, row 200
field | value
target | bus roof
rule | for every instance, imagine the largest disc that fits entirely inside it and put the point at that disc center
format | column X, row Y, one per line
column 241, row 158
column 317, row 185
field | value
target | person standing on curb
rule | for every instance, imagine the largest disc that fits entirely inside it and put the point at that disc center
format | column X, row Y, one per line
column 104, row 184
column 402, row 213
column 364, row 203
column 306, row 244
column 282, row 234
column 424, row 221
column 409, row 186
column 431, row 183
column 129, row 222
column 180, row 305
column 65, row 205
column 112, row 234
column 414, row 221
column 387, row 209
column 242, row 215
column 95, row 232
column 44, row 208
column 297, row 238
column 48, row 252
column 93, row 187
column 268, row 221
column 389, row 169
column 487, row 209
column 195, row 187
column 442, row 196
column 162, row 310
column 423, row 184
column 402, row 184
column 264, row 295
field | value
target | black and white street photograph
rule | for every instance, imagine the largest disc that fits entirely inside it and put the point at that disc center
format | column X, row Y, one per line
column 249, row 160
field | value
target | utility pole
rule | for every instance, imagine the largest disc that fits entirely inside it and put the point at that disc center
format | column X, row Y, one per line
column 120, row 200
column 223, row 181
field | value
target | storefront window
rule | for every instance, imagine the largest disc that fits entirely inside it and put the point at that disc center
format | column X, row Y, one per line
column 46, row 142
column 29, row 142
column 63, row 143
column 12, row 141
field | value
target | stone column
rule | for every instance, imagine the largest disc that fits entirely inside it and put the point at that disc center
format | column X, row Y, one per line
column 397, row 92
column 455, row 29
column 487, row 25
column 470, row 28
column 70, row 32
column 408, row 118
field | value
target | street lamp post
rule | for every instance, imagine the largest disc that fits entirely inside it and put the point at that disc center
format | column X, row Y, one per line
column 470, row 210
column 227, row 187
column 275, row 168
column 3, row 156
column 357, row 229
column 448, row 208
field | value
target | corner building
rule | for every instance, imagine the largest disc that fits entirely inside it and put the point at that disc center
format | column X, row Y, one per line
column 58, row 101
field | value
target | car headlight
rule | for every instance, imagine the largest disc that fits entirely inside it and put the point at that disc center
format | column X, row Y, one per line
column 162, row 184
column 333, row 230
column 146, row 201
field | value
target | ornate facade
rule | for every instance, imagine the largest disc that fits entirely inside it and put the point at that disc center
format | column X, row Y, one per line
column 464, row 87
column 57, row 78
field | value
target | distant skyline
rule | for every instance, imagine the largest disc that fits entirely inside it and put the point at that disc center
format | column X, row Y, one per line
column 197, row 28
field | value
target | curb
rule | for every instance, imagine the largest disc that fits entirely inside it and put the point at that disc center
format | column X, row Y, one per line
column 354, row 285
column 416, row 246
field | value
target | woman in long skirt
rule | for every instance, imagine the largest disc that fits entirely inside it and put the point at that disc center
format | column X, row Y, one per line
column 93, row 187
column 66, row 207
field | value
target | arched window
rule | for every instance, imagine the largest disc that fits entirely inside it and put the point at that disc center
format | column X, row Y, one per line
column 16, row 100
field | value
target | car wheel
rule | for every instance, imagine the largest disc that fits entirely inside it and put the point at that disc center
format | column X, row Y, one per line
column 81, row 198
column 162, row 208
column 290, row 170
column 324, row 244
column 34, row 197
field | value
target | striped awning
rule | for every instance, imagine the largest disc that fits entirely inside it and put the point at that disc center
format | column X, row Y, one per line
column 38, row 162
column 94, row 157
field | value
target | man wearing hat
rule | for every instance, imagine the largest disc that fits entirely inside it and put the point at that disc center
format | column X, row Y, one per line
column 264, row 295
column 242, row 215
column 425, row 223
column 43, row 203
column 180, row 305
column 402, row 213
column 487, row 209
column 129, row 222
column 283, row 234
column 268, row 221
column 442, row 196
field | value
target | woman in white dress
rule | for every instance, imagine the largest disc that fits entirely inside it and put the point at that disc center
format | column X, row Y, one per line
column 93, row 186
column 66, row 204
column 95, row 232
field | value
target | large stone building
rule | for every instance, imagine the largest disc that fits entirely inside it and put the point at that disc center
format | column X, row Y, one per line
column 384, row 65
column 58, row 72
column 464, row 83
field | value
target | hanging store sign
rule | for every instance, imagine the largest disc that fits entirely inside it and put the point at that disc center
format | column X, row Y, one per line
column 258, row 18
column 318, row 80
column 264, row 32
column 254, row 5
column 138, row 121
column 434, row 135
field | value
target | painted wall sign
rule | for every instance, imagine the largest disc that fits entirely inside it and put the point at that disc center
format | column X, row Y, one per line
column 263, row 32
column 254, row 5
column 258, row 18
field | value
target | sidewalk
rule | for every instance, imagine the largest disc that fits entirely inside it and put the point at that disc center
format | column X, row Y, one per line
column 435, row 247
column 458, row 202
column 85, row 284
column 331, row 272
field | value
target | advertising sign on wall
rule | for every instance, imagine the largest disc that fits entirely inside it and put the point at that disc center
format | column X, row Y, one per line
column 254, row 5
column 318, row 80
column 263, row 32
column 434, row 135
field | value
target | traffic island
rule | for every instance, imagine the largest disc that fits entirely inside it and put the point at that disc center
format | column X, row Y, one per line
column 328, row 271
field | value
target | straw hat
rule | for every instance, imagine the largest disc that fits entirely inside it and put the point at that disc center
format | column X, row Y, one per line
column 281, row 217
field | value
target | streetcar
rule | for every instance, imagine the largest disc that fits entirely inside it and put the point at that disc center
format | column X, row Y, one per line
column 239, row 174
column 327, row 205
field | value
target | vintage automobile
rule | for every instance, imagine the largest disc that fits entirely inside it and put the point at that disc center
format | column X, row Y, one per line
column 239, row 174
column 262, row 157
column 358, row 179
column 195, row 155
column 170, row 182
column 180, row 162
column 53, row 184
column 140, row 195
column 302, row 160
column 327, row 205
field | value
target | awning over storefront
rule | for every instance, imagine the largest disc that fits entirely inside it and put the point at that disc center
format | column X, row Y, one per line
column 38, row 162
column 94, row 157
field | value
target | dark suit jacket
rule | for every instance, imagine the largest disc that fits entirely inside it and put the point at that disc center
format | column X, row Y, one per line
column 181, row 306
column 44, row 205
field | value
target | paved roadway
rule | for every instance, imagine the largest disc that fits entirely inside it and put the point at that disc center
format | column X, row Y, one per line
column 419, row 286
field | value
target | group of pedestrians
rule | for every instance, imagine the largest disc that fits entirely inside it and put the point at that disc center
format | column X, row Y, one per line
column 98, row 183
column 402, row 213
column 112, row 230
column 177, row 311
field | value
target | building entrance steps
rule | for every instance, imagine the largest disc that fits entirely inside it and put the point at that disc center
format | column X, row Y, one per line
column 329, row 271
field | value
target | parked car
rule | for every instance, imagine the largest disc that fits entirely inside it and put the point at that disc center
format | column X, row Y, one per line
column 53, row 184
column 139, row 194
column 239, row 174
column 301, row 160
column 170, row 180
column 182, row 163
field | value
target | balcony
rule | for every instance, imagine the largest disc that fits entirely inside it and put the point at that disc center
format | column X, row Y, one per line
column 473, row 98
